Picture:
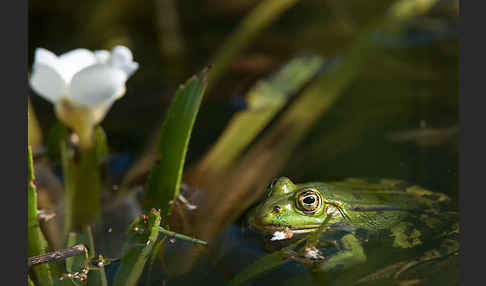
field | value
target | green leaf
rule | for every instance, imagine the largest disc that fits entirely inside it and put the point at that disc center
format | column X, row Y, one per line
column 37, row 244
column 165, row 177
column 265, row 159
column 265, row 99
column 142, row 237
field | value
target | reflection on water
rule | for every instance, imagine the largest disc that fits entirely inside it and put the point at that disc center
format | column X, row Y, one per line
column 236, row 249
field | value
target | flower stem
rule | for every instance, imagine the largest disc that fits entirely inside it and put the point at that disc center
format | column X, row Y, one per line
column 83, row 187
column 85, row 138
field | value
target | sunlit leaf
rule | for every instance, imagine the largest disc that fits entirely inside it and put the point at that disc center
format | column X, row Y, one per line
column 165, row 177
column 264, row 101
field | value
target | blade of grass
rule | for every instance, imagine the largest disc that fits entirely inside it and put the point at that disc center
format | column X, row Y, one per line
column 142, row 237
column 264, row 101
column 37, row 244
column 257, row 20
column 165, row 177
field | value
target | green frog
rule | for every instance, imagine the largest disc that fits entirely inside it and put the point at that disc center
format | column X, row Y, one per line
column 357, row 216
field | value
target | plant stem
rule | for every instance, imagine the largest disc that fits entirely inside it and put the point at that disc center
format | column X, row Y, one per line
column 34, row 133
column 36, row 243
column 57, row 255
column 83, row 187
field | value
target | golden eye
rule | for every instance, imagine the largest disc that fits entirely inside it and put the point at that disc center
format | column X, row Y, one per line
column 309, row 201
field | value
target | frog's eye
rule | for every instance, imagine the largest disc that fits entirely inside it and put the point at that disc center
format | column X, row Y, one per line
column 309, row 201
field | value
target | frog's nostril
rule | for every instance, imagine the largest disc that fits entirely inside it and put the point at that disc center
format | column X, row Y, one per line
column 277, row 209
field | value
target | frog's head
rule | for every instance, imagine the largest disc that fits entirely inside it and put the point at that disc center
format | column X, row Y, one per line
column 288, row 207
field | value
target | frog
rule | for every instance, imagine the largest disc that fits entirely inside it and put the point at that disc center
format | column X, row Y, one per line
column 355, row 215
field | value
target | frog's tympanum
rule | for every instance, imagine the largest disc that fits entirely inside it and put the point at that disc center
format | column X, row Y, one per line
column 356, row 215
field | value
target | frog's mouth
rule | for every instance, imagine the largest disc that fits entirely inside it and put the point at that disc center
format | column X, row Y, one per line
column 260, row 225
column 288, row 228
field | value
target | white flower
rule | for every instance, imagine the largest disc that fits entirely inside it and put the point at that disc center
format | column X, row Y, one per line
column 82, row 84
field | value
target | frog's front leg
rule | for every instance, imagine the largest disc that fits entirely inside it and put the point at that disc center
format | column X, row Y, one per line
column 350, row 253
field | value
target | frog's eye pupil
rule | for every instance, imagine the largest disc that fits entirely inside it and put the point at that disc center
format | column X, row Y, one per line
column 309, row 200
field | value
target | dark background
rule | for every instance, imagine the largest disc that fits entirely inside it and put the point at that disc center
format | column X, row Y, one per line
column 413, row 84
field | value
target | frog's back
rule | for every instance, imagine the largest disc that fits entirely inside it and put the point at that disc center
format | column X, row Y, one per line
column 380, row 204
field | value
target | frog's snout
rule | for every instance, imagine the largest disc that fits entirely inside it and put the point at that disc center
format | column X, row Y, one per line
column 267, row 218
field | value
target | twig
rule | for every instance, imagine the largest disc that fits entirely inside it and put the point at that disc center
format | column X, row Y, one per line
column 58, row 255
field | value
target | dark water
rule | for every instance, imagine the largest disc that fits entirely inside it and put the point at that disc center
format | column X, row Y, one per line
column 398, row 119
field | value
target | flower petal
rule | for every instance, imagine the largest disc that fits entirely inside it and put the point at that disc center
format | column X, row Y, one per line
column 123, row 53
column 121, row 57
column 74, row 61
column 97, row 85
column 46, row 57
column 102, row 56
column 46, row 79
